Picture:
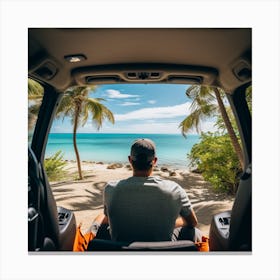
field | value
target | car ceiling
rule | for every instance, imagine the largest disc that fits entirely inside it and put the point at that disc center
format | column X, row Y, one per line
column 209, row 56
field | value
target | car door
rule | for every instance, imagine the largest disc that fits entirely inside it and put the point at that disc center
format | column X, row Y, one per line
column 232, row 230
column 49, row 227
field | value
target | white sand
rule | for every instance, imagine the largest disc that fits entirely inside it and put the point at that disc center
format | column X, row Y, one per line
column 84, row 197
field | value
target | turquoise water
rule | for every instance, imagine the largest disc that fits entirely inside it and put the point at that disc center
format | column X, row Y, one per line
column 172, row 149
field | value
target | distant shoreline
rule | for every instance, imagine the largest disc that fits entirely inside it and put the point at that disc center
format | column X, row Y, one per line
column 170, row 167
column 171, row 149
column 123, row 133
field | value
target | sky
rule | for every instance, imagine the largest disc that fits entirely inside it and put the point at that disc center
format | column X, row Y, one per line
column 139, row 108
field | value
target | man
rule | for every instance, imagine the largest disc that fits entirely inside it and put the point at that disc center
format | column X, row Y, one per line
column 145, row 207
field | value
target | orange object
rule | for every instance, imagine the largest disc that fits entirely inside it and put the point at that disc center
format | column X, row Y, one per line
column 203, row 246
column 82, row 240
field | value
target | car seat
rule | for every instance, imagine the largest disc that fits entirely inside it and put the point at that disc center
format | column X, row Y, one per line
column 50, row 228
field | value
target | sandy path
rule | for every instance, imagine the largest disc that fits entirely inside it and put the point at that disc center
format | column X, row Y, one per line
column 85, row 197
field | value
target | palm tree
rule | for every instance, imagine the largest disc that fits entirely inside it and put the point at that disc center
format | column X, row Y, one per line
column 77, row 105
column 35, row 95
column 204, row 106
column 34, row 89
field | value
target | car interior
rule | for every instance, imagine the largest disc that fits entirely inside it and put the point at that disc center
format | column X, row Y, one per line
column 59, row 58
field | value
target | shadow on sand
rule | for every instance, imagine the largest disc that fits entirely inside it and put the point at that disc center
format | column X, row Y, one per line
column 85, row 195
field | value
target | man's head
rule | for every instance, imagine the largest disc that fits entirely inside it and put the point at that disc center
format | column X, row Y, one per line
column 143, row 154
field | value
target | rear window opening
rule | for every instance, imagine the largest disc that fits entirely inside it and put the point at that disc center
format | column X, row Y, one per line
column 152, row 111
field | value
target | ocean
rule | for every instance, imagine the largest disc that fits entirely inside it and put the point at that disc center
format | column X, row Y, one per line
column 172, row 149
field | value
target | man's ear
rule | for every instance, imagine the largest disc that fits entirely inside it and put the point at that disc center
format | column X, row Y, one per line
column 155, row 160
column 129, row 159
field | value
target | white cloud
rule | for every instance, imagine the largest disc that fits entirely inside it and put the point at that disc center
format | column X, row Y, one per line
column 146, row 127
column 208, row 126
column 130, row 103
column 157, row 127
column 61, row 129
column 152, row 101
column 149, row 126
column 112, row 93
column 156, row 113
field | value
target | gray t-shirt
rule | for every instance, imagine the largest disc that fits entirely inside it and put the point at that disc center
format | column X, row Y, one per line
column 144, row 208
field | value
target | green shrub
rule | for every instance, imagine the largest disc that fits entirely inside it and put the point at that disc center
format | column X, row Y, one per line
column 54, row 166
column 215, row 158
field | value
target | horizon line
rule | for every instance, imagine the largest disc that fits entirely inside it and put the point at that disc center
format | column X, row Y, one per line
column 120, row 133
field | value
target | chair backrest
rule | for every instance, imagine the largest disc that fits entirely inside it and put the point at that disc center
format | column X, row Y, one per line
column 240, row 232
column 108, row 245
column 43, row 232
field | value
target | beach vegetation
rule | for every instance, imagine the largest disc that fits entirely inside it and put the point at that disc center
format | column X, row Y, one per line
column 35, row 96
column 54, row 166
column 77, row 105
column 35, row 90
column 208, row 102
column 249, row 97
column 215, row 158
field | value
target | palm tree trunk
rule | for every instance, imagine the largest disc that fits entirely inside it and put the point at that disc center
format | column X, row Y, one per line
column 229, row 127
column 75, row 142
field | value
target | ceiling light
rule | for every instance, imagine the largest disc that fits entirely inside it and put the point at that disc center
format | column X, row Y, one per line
column 73, row 58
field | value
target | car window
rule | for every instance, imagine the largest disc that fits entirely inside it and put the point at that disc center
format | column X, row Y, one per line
column 35, row 96
column 249, row 97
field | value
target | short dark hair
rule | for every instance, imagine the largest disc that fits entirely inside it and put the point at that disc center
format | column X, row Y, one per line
column 142, row 154
column 141, row 165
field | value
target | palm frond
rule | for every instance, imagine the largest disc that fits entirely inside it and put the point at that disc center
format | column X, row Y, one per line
column 92, row 88
column 76, row 101
column 85, row 112
column 191, row 121
column 193, row 91
column 98, row 110
column 35, row 90
column 33, row 112
column 35, row 97
column 66, row 106
column 209, row 109
column 207, row 93
column 34, row 109
column 203, row 105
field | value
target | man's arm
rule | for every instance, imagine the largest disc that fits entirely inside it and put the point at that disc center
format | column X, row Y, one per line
column 190, row 220
column 101, row 219
column 187, row 215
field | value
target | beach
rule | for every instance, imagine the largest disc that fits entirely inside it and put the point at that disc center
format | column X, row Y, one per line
column 85, row 197
column 172, row 149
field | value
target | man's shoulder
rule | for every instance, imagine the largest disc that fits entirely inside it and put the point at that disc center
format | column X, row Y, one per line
column 112, row 183
column 152, row 180
column 165, row 181
column 169, row 184
column 115, row 183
